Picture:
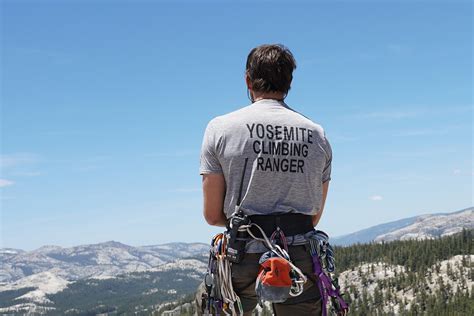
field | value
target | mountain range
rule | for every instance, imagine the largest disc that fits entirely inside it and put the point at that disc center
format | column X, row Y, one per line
column 417, row 227
column 34, row 276
column 100, row 261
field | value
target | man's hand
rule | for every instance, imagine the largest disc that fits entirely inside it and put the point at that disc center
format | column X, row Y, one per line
column 317, row 217
column 213, row 186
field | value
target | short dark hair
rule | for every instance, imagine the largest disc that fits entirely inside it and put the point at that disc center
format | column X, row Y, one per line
column 270, row 68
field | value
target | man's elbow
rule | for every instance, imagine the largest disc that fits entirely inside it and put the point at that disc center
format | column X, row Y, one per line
column 214, row 218
column 211, row 220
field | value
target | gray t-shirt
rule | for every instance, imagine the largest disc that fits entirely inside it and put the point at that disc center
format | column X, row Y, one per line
column 289, row 158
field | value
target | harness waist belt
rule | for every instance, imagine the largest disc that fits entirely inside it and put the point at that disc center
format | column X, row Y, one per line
column 290, row 223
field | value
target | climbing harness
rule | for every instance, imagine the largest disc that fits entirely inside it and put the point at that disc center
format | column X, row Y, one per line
column 323, row 264
column 278, row 279
column 220, row 296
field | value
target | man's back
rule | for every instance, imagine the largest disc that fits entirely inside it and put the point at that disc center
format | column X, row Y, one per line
column 288, row 157
column 273, row 160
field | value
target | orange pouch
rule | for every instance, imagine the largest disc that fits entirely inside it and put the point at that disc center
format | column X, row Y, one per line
column 273, row 282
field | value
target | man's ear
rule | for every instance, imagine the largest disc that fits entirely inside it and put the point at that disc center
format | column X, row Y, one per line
column 248, row 81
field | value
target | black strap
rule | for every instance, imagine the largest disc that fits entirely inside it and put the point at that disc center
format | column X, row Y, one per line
column 290, row 223
column 239, row 199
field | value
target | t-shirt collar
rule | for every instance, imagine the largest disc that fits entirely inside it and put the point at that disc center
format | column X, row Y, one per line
column 270, row 101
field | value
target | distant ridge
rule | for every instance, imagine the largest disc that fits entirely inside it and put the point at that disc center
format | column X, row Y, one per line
column 417, row 227
column 101, row 260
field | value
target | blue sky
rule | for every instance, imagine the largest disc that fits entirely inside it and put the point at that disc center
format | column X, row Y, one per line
column 104, row 106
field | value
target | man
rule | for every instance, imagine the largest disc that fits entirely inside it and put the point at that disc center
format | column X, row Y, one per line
column 275, row 165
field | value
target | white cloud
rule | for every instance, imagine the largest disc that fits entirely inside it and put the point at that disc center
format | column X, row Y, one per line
column 376, row 198
column 460, row 172
column 422, row 153
column 432, row 131
column 5, row 183
column 28, row 173
column 421, row 132
column 387, row 115
column 415, row 111
column 8, row 161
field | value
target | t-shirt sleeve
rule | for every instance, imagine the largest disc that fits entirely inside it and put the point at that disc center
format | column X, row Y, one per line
column 209, row 160
column 327, row 167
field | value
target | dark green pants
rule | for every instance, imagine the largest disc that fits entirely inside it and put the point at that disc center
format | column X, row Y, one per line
column 245, row 273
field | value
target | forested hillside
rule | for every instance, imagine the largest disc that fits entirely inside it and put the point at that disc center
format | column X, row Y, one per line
column 429, row 277
column 414, row 277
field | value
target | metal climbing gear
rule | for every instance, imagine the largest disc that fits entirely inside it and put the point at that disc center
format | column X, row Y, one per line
column 323, row 264
column 220, row 296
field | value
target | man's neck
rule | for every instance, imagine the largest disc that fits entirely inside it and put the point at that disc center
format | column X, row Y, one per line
column 268, row 95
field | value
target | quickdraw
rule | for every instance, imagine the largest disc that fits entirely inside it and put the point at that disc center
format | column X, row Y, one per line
column 220, row 296
column 323, row 265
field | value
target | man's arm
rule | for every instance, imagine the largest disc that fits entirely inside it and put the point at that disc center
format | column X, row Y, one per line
column 317, row 217
column 213, row 186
